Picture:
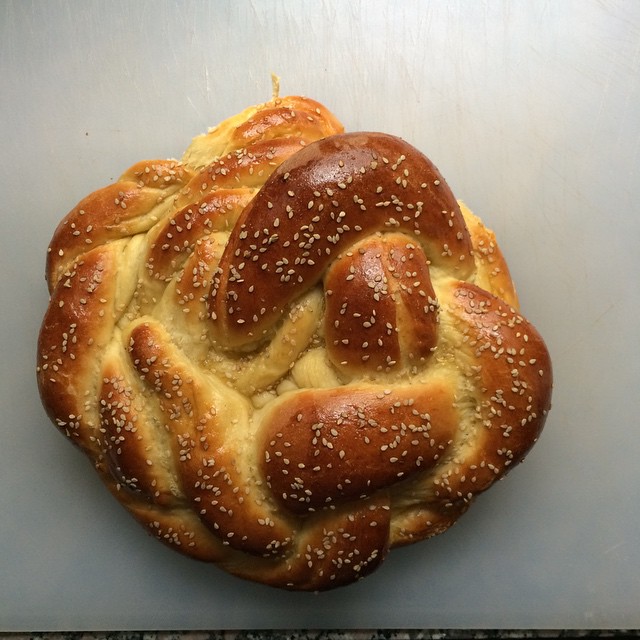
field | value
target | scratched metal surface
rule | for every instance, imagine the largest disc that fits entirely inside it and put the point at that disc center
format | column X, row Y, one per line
column 531, row 111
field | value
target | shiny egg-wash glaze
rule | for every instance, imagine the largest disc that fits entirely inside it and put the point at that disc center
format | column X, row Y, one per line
column 291, row 350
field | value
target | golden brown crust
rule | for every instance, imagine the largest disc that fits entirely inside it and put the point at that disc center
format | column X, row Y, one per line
column 290, row 351
column 328, row 196
column 372, row 289
column 128, row 207
column 329, row 446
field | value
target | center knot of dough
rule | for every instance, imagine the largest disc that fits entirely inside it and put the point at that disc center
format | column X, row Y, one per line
column 381, row 308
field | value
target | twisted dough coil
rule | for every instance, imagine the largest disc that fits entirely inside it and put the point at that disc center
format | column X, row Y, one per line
column 290, row 351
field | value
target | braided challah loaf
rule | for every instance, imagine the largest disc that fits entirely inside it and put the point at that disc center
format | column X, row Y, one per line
column 290, row 351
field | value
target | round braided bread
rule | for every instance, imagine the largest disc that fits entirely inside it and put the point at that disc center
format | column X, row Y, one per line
column 291, row 350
